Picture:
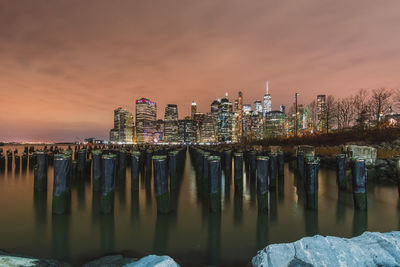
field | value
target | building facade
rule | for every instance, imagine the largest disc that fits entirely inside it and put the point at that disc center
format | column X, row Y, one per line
column 146, row 114
column 123, row 126
column 171, row 123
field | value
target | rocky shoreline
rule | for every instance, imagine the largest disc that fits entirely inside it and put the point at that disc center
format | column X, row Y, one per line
column 368, row 249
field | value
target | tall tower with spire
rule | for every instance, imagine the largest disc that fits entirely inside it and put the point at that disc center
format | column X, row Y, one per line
column 267, row 103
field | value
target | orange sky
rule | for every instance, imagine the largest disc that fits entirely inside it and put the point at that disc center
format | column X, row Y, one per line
column 65, row 65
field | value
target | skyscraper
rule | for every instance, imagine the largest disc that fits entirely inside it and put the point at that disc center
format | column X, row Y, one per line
column 123, row 126
column 146, row 114
column 321, row 104
column 193, row 109
column 258, row 108
column 246, row 109
column 224, row 120
column 240, row 115
column 267, row 107
column 171, row 123
column 207, row 131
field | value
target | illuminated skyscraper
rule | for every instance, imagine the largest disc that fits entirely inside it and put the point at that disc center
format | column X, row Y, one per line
column 321, row 104
column 267, row 107
column 123, row 126
column 224, row 120
column 207, row 131
column 240, row 115
column 171, row 123
column 193, row 109
column 246, row 109
column 146, row 114
column 258, row 108
column 186, row 131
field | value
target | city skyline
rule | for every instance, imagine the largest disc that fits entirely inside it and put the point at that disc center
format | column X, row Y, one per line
column 61, row 77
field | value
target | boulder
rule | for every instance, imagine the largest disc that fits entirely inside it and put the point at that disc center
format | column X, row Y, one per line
column 369, row 249
column 154, row 260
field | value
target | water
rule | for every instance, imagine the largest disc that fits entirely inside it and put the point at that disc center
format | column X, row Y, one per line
column 191, row 235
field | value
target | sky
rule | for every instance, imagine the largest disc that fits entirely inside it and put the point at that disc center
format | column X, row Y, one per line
column 66, row 65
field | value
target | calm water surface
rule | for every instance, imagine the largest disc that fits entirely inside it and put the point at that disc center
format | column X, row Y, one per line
column 191, row 235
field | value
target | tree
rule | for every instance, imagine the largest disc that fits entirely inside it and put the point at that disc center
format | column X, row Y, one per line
column 380, row 103
column 361, row 109
column 312, row 108
column 328, row 113
column 344, row 112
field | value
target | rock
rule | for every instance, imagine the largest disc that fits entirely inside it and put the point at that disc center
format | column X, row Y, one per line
column 14, row 260
column 369, row 249
column 110, row 261
column 153, row 260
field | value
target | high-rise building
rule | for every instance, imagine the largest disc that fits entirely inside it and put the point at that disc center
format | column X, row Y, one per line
column 123, row 126
column 246, row 109
column 207, row 130
column 146, row 114
column 193, row 109
column 224, row 120
column 171, row 123
column 258, row 108
column 267, row 107
column 275, row 124
column 198, row 120
column 240, row 115
column 158, row 135
column 186, row 131
column 321, row 105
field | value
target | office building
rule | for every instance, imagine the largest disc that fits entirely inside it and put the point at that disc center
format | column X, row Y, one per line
column 146, row 114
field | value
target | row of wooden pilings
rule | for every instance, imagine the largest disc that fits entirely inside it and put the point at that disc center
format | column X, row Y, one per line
column 209, row 162
column 307, row 167
column 108, row 165
column 27, row 157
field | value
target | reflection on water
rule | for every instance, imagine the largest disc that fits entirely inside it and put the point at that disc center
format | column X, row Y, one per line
column 190, row 233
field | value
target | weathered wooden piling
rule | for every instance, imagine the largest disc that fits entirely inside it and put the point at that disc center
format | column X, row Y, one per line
column 173, row 175
column 204, row 162
column 300, row 164
column 96, row 158
column 252, row 155
column 262, row 182
column 238, row 177
column 161, row 184
column 62, row 168
column 397, row 160
column 2, row 162
column 122, row 164
column 311, row 182
column 148, row 163
column 273, row 170
column 17, row 161
column 135, row 160
column 109, row 166
column 24, row 161
column 359, row 181
column 341, row 171
column 281, row 164
column 238, row 171
column 9, row 160
column 81, row 162
column 228, row 163
column 40, row 172
column 214, row 183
